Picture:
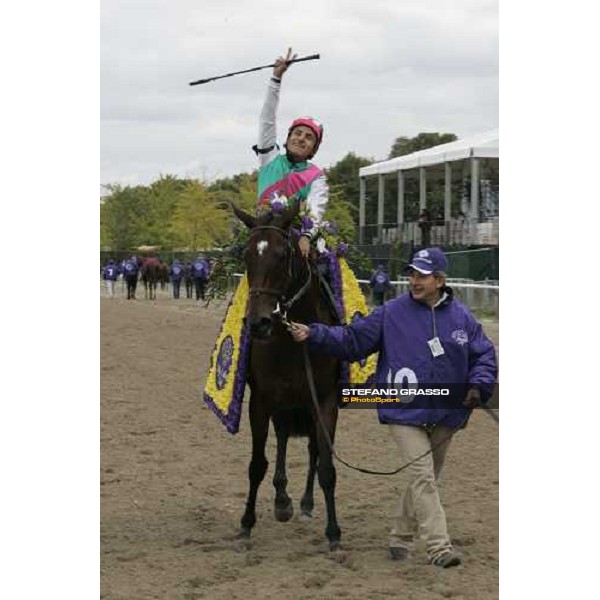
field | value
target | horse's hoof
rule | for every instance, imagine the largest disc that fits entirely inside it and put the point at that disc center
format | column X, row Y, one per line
column 243, row 534
column 284, row 513
column 335, row 546
column 305, row 515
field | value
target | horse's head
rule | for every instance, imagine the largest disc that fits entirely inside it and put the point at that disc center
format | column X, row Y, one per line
column 269, row 257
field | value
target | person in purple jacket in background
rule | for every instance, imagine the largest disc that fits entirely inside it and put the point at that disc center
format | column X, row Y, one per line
column 200, row 273
column 424, row 336
column 130, row 273
column 110, row 274
column 380, row 284
column 176, row 272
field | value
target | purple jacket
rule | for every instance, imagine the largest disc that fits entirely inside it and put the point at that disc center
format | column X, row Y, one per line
column 130, row 268
column 110, row 272
column 200, row 269
column 177, row 271
column 380, row 281
column 399, row 331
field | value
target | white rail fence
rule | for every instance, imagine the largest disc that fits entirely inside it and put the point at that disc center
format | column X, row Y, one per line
column 482, row 296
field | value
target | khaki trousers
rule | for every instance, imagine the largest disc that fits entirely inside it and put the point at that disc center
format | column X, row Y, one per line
column 420, row 512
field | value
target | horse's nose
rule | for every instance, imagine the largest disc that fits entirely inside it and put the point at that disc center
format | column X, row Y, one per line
column 260, row 327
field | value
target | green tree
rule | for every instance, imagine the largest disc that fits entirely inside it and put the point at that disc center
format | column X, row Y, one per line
column 340, row 212
column 198, row 221
column 405, row 145
column 161, row 199
column 122, row 216
column 240, row 188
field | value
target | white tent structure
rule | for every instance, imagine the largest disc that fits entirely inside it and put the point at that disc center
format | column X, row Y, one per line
column 482, row 146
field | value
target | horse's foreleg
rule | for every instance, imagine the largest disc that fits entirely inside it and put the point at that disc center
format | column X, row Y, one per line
column 307, row 502
column 284, row 509
column 326, row 471
column 259, row 422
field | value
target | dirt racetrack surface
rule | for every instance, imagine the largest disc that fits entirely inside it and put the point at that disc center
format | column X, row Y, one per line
column 174, row 482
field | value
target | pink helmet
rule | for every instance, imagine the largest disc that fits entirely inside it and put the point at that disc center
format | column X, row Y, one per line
column 313, row 125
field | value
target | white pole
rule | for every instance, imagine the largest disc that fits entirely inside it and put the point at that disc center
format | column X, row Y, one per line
column 422, row 188
column 361, row 209
column 447, row 191
column 380, row 200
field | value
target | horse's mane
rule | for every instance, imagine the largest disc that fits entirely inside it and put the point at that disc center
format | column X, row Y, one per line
column 274, row 219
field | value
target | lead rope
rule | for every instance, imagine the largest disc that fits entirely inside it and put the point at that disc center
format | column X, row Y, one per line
column 313, row 393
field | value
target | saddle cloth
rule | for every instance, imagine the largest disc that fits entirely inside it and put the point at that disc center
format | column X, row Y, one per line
column 226, row 380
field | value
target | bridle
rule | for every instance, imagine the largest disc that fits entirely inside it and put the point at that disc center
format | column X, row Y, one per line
column 283, row 303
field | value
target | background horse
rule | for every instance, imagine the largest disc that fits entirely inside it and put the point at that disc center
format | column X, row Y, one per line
column 163, row 275
column 150, row 276
column 281, row 279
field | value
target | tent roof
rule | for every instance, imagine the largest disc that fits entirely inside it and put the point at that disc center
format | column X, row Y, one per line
column 483, row 145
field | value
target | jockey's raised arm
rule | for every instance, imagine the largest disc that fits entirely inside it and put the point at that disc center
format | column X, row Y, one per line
column 290, row 177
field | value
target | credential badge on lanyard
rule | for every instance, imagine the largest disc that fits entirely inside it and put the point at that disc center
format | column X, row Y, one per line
column 435, row 346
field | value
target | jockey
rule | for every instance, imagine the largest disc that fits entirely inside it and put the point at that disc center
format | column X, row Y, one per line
column 284, row 178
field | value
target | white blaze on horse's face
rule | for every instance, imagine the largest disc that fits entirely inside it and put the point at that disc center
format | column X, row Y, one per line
column 261, row 247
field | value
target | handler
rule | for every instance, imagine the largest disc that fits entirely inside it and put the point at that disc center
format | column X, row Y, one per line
column 285, row 178
column 425, row 336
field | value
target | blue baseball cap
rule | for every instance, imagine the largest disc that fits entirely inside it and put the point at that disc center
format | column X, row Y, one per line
column 428, row 261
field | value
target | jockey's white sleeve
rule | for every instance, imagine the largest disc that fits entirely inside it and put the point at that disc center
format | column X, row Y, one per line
column 316, row 202
column 267, row 124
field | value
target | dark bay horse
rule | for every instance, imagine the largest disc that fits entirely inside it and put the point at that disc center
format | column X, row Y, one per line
column 163, row 275
column 282, row 281
column 150, row 276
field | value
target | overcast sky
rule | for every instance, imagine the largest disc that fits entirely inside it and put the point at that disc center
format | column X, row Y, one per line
column 387, row 69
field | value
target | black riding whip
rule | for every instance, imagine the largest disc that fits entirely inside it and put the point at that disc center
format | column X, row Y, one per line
column 289, row 62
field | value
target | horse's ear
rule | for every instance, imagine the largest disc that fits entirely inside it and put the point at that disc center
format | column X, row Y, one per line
column 290, row 214
column 248, row 220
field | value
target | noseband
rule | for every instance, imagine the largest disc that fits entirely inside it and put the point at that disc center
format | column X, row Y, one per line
column 283, row 305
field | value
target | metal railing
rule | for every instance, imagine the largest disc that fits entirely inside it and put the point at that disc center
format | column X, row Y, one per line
column 456, row 232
